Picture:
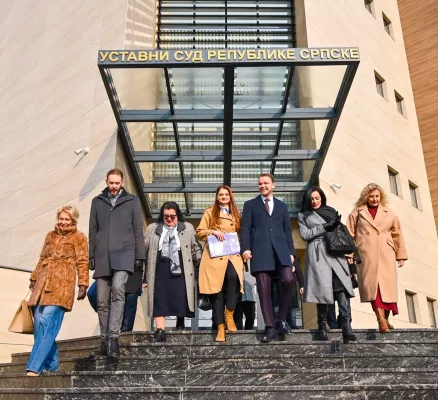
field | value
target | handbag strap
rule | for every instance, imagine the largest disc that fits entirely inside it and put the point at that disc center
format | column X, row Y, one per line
column 25, row 297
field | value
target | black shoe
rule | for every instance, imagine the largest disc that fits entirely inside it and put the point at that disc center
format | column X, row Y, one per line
column 114, row 350
column 101, row 350
column 348, row 335
column 282, row 327
column 322, row 331
column 180, row 328
column 159, row 335
column 270, row 335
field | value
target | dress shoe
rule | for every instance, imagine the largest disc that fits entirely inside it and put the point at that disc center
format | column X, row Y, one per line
column 114, row 351
column 270, row 335
column 282, row 327
column 347, row 333
column 101, row 350
column 159, row 336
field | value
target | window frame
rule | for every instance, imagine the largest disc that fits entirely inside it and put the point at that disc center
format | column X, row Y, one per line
column 410, row 303
column 400, row 103
column 394, row 179
column 380, row 82
column 387, row 25
column 431, row 305
column 369, row 6
column 414, row 195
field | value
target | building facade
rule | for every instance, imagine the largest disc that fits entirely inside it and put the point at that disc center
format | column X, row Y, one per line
column 54, row 102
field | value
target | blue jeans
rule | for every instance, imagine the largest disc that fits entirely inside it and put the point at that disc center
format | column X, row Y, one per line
column 47, row 323
column 130, row 311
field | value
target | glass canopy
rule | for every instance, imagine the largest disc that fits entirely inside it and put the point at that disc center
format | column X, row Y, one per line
column 222, row 100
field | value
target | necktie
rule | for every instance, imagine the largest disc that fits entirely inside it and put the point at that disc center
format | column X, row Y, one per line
column 267, row 206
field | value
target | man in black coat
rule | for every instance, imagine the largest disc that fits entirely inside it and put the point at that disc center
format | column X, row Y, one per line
column 116, row 250
column 266, row 239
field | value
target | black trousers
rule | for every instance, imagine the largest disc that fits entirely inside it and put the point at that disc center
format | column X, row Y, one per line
column 228, row 296
column 326, row 312
column 246, row 308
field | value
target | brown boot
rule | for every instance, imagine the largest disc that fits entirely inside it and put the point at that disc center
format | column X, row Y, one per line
column 387, row 312
column 383, row 326
column 220, row 337
column 229, row 320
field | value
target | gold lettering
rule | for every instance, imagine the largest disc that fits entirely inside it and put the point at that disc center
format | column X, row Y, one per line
column 221, row 55
column 103, row 55
column 179, row 55
column 325, row 54
column 354, row 53
column 305, row 54
column 153, row 55
column 314, row 53
column 251, row 54
column 335, row 53
column 211, row 54
column 261, row 55
column 282, row 54
column 123, row 54
column 272, row 54
column 290, row 53
column 113, row 56
column 241, row 54
column 132, row 56
column 197, row 56
column 344, row 53
column 188, row 54
column 142, row 56
column 164, row 55
column 232, row 53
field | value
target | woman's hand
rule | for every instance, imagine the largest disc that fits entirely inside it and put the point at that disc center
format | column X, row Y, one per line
column 144, row 285
column 82, row 292
column 32, row 285
column 302, row 290
column 349, row 259
column 220, row 235
column 400, row 263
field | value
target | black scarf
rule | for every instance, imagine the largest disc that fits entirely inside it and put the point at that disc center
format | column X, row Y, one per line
column 328, row 214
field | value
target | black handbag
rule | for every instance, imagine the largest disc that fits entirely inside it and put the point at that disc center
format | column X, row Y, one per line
column 339, row 242
column 204, row 302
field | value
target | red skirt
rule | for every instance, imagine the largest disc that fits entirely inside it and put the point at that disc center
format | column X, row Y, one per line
column 378, row 303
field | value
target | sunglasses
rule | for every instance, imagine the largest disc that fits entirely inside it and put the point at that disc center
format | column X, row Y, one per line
column 170, row 217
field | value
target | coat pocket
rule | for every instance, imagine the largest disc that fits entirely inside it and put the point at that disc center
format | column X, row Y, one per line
column 391, row 244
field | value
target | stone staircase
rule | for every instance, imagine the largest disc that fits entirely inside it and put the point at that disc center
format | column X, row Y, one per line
column 400, row 365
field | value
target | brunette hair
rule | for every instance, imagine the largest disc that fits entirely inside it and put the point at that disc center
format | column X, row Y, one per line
column 115, row 171
column 170, row 205
column 268, row 175
column 234, row 211
column 306, row 204
column 70, row 210
column 371, row 187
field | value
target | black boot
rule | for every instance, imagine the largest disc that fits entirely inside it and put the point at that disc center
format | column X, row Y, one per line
column 322, row 321
column 270, row 335
column 345, row 314
column 114, row 350
column 101, row 350
column 159, row 335
column 180, row 324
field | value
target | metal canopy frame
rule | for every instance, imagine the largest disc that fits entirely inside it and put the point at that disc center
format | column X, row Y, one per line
column 228, row 116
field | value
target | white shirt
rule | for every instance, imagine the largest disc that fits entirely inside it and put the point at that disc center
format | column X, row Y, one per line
column 270, row 203
column 175, row 234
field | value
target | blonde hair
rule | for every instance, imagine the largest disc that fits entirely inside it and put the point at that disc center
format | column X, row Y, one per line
column 70, row 210
column 371, row 187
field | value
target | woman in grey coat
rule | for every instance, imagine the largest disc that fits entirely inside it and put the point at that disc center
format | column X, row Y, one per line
column 327, row 276
column 172, row 253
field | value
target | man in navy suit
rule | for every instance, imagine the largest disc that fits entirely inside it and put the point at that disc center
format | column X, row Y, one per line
column 266, row 239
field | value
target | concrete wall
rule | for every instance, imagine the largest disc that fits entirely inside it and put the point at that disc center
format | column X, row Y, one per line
column 372, row 135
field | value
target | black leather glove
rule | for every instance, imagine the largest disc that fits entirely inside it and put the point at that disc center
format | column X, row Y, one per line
column 329, row 226
column 91, row 265
column 138, row 265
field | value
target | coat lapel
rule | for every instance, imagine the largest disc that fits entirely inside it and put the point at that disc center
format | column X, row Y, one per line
column 276, row 205
column 367, row 216
column 259, row 201
column 382, row 212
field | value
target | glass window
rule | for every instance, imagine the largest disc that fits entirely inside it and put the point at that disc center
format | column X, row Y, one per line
column 411, row 307
column 413, row 191
column 379, row 84
column 387, row 25
column 393, row 181
column 399, row 101
column 369, row 6
column 431, row 307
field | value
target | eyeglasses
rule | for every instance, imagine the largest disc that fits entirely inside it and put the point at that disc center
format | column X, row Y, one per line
column 171, row 217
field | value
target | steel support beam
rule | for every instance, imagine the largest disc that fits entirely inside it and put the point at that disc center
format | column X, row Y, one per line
column 290, row 77
column 219, row 115
column 228, row 122
column 211, row 187
column 219, row 156
column 124, row 138
column 331, row 126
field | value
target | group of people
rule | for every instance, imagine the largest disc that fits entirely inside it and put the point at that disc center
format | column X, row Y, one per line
column 169, row 260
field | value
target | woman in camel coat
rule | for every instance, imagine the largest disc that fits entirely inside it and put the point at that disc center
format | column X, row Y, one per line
column 379, row 239
column 221, row 276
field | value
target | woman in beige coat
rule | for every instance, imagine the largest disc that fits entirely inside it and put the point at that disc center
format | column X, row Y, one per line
column 221, row 276
column 379, row 239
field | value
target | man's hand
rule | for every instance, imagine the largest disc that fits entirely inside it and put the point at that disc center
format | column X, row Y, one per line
column 247, row 255
column 292, row 259
column 400, row 263
column 302, row 290
column 32, row 285
column 91, row 264
column 220, row 235
column 82, row 292
column 138, row 265
column 144, row 285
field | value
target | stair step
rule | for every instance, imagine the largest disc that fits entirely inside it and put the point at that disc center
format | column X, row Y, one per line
column 350, row 392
